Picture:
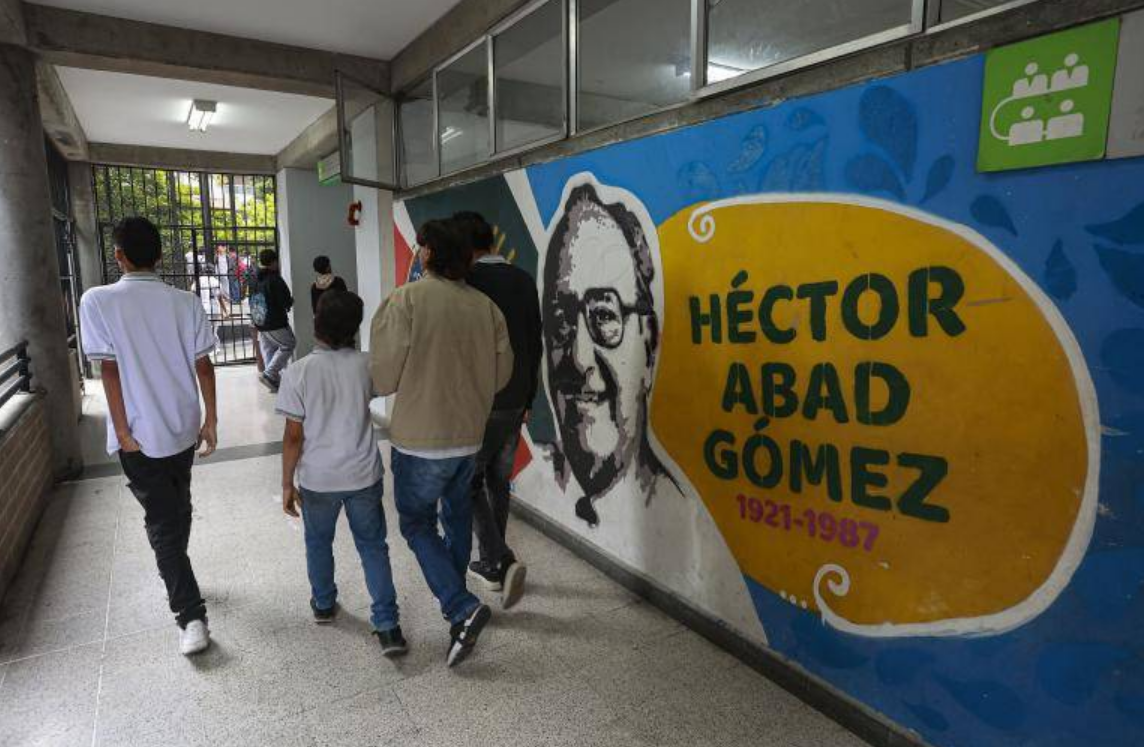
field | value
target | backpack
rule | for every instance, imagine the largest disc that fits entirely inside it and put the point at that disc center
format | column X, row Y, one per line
column 258, row 307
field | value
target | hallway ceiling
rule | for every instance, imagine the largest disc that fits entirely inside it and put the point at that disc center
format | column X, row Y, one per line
column 138, row 110
column 371, row 28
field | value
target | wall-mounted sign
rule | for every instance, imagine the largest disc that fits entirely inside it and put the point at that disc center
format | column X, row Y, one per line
column 1046, row 101
column 1126, row 130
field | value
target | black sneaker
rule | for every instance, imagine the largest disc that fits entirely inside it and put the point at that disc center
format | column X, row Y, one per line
column 486, row 575
column 324, row 616
column 392, row 642
column 465, row 634
column 268, row 382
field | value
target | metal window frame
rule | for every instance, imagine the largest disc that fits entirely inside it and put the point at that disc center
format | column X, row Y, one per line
column 500, row 29
column 344, row 144
column 935, row 24
column 699, row 51
column 400, row 101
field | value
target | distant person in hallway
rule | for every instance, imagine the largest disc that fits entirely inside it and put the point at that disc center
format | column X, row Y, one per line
column 223, row 269
column 326, row 280
column 514, row 292
column 270, row 302
column 443, row 348
column 153, row 344
column 601, row 334
column 330, row 461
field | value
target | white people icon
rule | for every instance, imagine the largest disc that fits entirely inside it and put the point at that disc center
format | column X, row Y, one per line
column 1062, row 122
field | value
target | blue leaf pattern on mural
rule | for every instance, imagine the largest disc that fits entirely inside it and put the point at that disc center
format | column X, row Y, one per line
column 799, row 169
column 887, row 119
column 1060, row 275
column 898, row 666
column 992, row 702
column 1109, row 581
column 1070, row 672
column 939, row 175
column 698, row 182
column 824, row 644
column 803, row 118
column 927, row 715
column 1128, row 229
column 989, row 211
column 1126, row 271
column 751, row 151
column 1122, row 354
column 868, row 173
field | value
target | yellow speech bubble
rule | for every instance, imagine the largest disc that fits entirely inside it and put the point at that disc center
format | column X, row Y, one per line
column 889, row 422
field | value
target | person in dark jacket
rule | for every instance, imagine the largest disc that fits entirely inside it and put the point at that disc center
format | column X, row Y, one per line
column 325, row 281
column 269, row 305
column 514, row 292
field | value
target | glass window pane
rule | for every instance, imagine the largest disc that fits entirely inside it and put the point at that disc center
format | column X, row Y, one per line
column 951, row 10
column 634, row 57
column 463, row 109
column 367, row 137
column 418, row 158
column 529, row 68
column 744, row 35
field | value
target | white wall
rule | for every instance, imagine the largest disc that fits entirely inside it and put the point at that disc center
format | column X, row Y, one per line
column 312, row 221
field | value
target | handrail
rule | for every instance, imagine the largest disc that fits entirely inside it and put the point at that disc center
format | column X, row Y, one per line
column 17, row 377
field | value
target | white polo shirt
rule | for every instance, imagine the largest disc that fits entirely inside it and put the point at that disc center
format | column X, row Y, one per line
column 155, row 333
column 329, row 392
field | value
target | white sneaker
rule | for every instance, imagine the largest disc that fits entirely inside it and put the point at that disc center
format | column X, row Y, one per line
column 195, row 638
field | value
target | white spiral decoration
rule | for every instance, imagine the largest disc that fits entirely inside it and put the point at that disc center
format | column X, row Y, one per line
column 701, row 224
column 838, row 582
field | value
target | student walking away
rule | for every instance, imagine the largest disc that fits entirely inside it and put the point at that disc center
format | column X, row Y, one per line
column 443, row 348
column 153, row 343
column 326, row 280
column 330, row 451
column 269, row 304
column 514, row 292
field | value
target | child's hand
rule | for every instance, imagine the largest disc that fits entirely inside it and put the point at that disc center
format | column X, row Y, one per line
column 127, row 443
column 208, row 439
column 290, row 500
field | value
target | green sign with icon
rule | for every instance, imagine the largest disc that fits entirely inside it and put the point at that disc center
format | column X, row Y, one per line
column 1047, row 100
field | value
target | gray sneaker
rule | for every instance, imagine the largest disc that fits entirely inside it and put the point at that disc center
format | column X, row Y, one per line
column 513, row 587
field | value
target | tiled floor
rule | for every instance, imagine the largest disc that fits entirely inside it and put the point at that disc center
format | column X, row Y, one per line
column 88, row 650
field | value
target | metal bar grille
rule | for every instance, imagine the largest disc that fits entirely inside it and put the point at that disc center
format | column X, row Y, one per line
column 213, row 227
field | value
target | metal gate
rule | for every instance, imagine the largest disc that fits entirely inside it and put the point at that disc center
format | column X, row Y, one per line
column 213, row 228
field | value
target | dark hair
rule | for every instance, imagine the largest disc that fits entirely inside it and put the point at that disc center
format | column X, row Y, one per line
column 139, row 240
column 267, row 257
column 449, row 254
column 322, row 264
column 476, row 230
column 338, row 318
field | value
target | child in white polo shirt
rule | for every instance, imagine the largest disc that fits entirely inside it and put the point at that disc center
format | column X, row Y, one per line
column 153, row 343
column 330, row 449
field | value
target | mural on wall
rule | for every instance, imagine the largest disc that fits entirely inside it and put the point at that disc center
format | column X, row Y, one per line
column 811, row 371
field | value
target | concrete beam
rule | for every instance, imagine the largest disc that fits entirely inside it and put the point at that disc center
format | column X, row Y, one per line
column 60, row 120
column 181, row 159
column 12, row 23
column 86, row 40
column 451, row 33
column 315, row 142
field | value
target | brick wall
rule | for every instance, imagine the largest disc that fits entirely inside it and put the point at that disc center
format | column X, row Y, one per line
column 25, row 476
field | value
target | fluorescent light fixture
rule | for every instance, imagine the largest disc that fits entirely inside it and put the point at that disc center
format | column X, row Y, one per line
column 201, row 114
column 717, row 72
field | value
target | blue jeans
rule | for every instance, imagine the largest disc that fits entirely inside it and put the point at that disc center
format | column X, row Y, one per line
column 419, row 484
column 367, row 524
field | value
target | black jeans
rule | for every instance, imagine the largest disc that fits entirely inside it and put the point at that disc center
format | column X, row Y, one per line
column 491, row 484
column 163, row 488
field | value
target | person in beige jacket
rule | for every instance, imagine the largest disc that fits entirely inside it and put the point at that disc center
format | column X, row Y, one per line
column 443, row 348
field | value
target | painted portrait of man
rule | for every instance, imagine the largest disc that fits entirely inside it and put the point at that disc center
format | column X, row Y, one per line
column 601, row 334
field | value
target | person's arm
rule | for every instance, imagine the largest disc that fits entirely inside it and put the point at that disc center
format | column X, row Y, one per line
column 389, row 346
column 208, row 435
column 113, row 389
column 284, row 289
column 503, row 349
column 292, row 439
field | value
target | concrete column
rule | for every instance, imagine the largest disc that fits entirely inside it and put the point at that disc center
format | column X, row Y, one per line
column 88, row 253
column 31, row 305
column 376, row 270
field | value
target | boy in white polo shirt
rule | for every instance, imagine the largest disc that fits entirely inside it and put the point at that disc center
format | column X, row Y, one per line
column 330, row 448
column 153, row 343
